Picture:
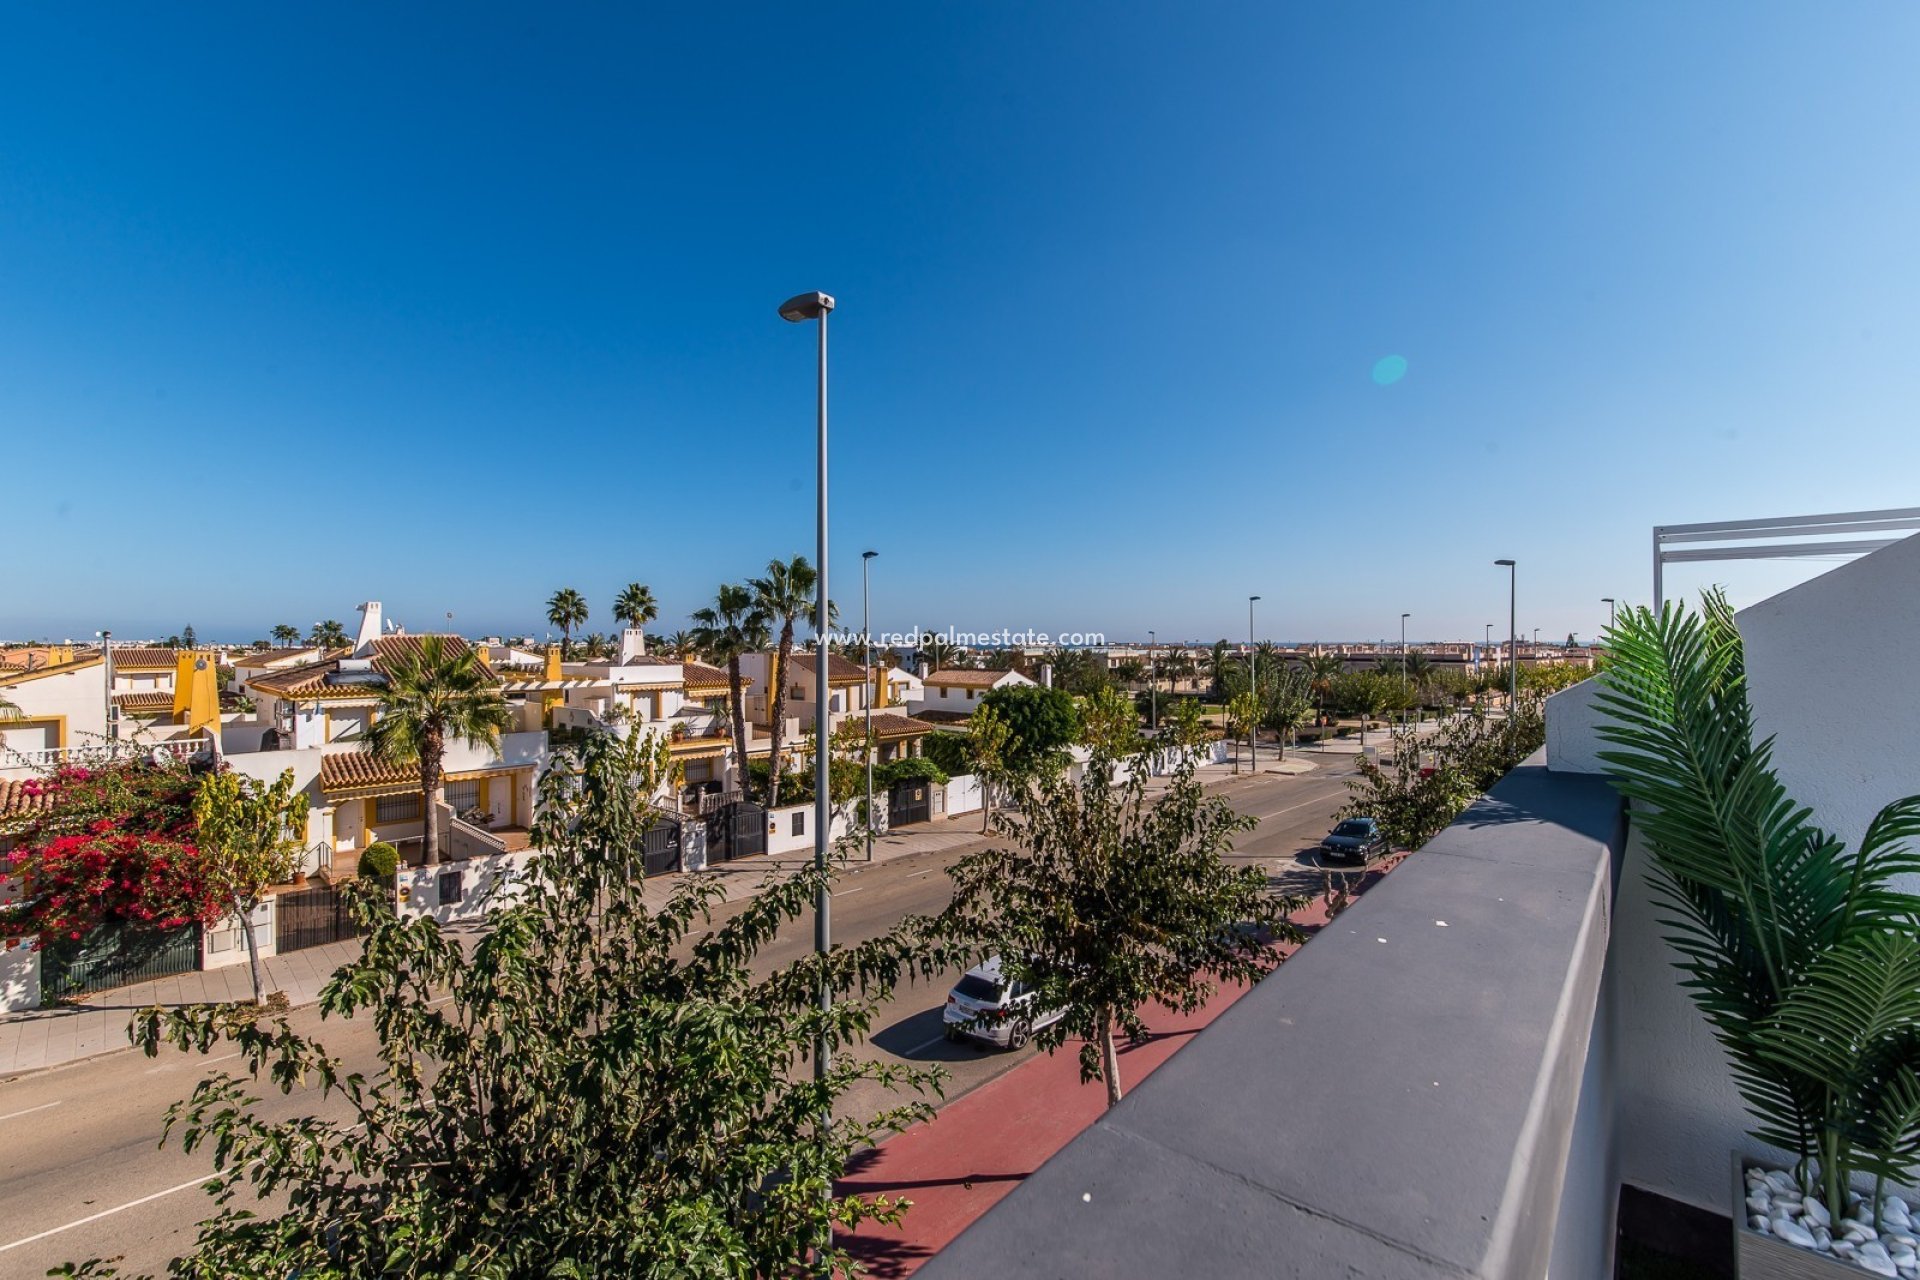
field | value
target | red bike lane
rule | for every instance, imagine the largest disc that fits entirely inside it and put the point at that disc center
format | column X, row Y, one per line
column 983, row 1144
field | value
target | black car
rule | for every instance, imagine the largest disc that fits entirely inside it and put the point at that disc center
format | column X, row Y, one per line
column 1355, row 839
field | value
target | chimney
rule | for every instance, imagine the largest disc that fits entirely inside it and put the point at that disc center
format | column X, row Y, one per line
column 922, row 670
column 369, row 629
column 633, row 644
column 1046, row 675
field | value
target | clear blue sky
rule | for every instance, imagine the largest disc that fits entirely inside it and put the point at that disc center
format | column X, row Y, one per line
column 453, row 305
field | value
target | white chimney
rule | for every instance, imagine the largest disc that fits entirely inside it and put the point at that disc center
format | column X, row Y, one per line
column 369, row 629
column 633, row 644
column 1046, row 675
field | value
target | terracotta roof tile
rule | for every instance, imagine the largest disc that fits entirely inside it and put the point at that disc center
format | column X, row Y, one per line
column 700, row 675
column 934, row 715
column 146, row 659
column 267, row 657
column 144, row 704
column 310, row 679
column 346, row 770
column 19, row 798
column 892, row 726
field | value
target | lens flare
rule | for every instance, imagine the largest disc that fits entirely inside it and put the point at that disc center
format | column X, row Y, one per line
column 1388, row 370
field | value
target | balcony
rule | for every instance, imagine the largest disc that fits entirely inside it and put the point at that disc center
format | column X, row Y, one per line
column 99, row 751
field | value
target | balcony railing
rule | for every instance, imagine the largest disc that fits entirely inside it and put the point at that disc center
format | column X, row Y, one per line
column 104, row 751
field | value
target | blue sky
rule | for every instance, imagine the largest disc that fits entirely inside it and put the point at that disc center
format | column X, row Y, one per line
column 453, row 305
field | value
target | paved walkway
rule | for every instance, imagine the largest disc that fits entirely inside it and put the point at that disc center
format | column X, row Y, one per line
column 983, row 1144
column 98, row 1024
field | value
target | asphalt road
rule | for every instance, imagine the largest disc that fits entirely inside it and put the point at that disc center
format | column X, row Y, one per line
column 82, row 1173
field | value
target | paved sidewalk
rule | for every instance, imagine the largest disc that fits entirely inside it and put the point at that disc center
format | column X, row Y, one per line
column 98, row 1024
column 979, row 1147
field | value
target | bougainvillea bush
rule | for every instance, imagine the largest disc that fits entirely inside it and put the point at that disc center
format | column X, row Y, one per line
column 108, row 845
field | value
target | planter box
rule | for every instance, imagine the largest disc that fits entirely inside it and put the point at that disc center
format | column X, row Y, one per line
column 1758, row 1257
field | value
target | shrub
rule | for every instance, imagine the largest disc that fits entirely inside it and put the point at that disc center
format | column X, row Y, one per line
column 885, row 775
column 951, row 751
column 380, row 861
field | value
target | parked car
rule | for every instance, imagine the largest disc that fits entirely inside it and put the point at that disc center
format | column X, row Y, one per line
column 1355, row 839
column 985, row 1006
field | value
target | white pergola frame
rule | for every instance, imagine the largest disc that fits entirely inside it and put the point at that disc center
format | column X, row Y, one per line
column 1752, row 539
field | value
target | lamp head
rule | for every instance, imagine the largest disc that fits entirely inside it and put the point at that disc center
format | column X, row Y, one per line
column 1505, row 564
column 1251, row 599
column 1406, row 615
column 806, row 306
column 1606, row 600
column 868, row 555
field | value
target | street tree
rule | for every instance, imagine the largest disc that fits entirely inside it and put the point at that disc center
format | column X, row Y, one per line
column 1243, row 715
column 988, row 739
column 595, row 1087
column 1102, row 903
column 785, row 594
column 250, row 836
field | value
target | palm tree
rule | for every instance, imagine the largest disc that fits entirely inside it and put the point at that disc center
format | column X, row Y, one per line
column 1216, row 666
column 937, row 653
column 682, row 645
column 730, row 626
column 328, row 635
column 786, row 594
column 595, row 645
column 286, row 636
column 636, row 607
column 567, row 609
column 436, row 689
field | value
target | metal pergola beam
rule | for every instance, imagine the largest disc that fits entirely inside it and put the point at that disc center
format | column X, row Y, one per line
column 1744, row 533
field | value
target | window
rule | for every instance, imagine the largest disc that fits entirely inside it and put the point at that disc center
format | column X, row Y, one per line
column 800, row 823
column 969, row 695
column 452, row 887
column 464, row 796
column 799, row 693
column 945, row 692
column 397, row 809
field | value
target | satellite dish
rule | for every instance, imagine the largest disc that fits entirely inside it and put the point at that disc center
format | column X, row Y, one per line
column 159, row 758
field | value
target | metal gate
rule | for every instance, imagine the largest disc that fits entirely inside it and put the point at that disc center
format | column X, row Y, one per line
column 737, row 831
column 909, row 801
column 661, row 847
column 311, row 918
column 113, row 956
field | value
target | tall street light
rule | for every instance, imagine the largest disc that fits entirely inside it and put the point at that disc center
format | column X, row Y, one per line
column 866, row 660
column 1253, row 684
column 1153, row 689
column 1513, row 636
column 1403, row 656
column 799, row 309
column 1609, row 602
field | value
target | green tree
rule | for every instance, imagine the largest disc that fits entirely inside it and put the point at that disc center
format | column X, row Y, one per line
column 730, row 626
column 286, row 636
column 437, row 690
column 1243, row 715
column 249, row 836
column 989, row 738
column 567, row 609
column 187, row 637
column 635, row 606
column 785, row 594
column 1286, row 704
column 328, row 635
column 682, row 645
column 1041, row 724
column 1102, row 903
column 607, row 1096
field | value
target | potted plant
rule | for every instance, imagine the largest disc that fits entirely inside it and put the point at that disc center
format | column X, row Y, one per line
column 1803, row 956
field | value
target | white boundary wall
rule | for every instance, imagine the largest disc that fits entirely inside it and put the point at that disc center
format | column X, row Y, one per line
column 473, row 886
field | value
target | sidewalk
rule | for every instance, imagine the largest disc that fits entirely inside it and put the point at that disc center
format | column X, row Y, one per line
column 983, row 1144
column 98, row 1024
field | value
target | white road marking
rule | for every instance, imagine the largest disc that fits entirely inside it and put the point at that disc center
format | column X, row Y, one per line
column 917, row 1048
column 168, row 1066
column 104, row 1213
column 848, row 893
column 30, row 1110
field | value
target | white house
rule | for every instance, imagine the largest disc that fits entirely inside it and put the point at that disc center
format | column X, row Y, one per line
column 952, row 695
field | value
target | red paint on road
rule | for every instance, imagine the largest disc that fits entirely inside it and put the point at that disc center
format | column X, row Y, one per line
column 978, row 1148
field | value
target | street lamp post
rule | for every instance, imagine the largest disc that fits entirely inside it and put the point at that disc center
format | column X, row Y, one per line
column 1609, row 602
column 1403, row 664
column 1513, row 635
column 866, row 661
column 1253, row 685
column 798, row 310
column 1153, row 689
column 106, row 658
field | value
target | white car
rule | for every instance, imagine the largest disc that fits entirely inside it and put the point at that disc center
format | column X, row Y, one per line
column 983, row 1005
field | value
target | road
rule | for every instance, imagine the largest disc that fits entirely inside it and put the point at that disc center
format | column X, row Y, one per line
column 82, row 1174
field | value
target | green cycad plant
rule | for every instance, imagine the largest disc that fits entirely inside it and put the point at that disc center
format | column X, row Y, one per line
column 1803, row 957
